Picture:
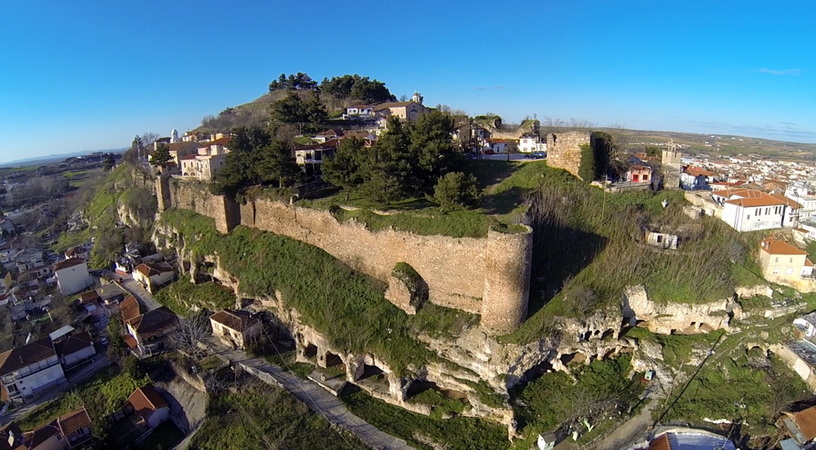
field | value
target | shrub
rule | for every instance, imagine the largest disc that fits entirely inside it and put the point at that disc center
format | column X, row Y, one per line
column 456, row 190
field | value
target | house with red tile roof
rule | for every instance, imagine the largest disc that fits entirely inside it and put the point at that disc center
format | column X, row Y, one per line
column 75, row 427
column 146, row 332
column 235, row 328
column 154, row 275
column 751, row 209
column 149, row 406
column 786, row 264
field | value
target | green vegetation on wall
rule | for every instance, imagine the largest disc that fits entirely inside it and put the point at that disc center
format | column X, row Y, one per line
column 346, row 306
column 182, row 296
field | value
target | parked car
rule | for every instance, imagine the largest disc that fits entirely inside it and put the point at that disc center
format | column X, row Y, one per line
column 489, row 152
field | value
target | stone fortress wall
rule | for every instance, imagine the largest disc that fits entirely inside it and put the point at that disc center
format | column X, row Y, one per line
column 488, row 276
column 564, row 150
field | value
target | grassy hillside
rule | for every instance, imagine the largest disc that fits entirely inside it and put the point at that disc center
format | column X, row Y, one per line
column 348, row 307
column 123, row 186
column 256, row 415
column 588, row 248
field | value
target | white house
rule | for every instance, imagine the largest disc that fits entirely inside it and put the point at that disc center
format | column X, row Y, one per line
column 153, row 275
column 361, row 112
column 28, row 370
column 805, row 196
column 530, row 143
column 806, row 323
column 75, row 349
column 72, row 276
column 751, row 210
column 209, row 160
column 149, row 405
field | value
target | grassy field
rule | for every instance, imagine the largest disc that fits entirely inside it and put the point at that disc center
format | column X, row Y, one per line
column 256, row 415
column 183, row 295
column 420, row 431
column 119, row 187
column 103, row 394
column 594, row 393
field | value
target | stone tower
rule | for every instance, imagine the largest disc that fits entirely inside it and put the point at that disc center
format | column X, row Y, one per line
column 174, row 136
column 672, row 165
column 507, row 280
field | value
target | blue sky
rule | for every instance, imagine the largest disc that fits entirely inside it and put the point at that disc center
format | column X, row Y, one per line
column 93, row 74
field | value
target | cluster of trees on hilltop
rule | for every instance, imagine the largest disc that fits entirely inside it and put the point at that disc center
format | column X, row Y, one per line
column 409, row 160
column 342, row 87
column 293, row 81
column 358, row 88
column 256, row 157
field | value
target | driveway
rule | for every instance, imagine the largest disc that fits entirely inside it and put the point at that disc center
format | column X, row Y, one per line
column 315, row 397
column 145, row 298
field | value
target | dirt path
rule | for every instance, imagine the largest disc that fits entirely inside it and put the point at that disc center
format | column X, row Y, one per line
column 632, row 430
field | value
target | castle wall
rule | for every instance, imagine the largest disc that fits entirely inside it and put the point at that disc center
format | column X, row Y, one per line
column 487, row 276
column 195, row 196
column 564, row 150
column 453, row 268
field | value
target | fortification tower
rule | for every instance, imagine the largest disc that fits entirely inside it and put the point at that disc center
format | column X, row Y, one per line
column 507, row 280
column 672, row 165
column 564, row 150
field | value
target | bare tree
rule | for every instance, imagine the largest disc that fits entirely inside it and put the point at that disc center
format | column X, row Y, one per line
column 189, row 332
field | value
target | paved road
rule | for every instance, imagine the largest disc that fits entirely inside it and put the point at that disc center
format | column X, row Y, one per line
column 314, row 396
column 75, row 377
column 145, row 298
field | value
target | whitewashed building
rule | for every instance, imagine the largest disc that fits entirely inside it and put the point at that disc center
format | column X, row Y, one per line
column 72, row 276
column 28, row 370
column 751, row 210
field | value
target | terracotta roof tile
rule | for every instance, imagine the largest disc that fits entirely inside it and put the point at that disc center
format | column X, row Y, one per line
column 238, row 320
column 806, row 422
column 147, row 400
column 74, row 420
column 777, row 247
column 129, row 309
column 73, row 343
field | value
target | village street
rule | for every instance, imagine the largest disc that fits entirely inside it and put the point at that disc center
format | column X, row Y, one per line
column 145, row 298
column 315, row 397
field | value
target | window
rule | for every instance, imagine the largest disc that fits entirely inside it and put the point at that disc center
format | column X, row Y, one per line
column 776, row 270
column 776, row 259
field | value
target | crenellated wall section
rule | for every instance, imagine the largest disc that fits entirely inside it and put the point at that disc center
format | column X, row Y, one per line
column 488, row 276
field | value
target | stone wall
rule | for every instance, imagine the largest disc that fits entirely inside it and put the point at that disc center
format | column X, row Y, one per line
column 487, row 276
column 797, row 364
column 195, row 196
column 564, row 150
